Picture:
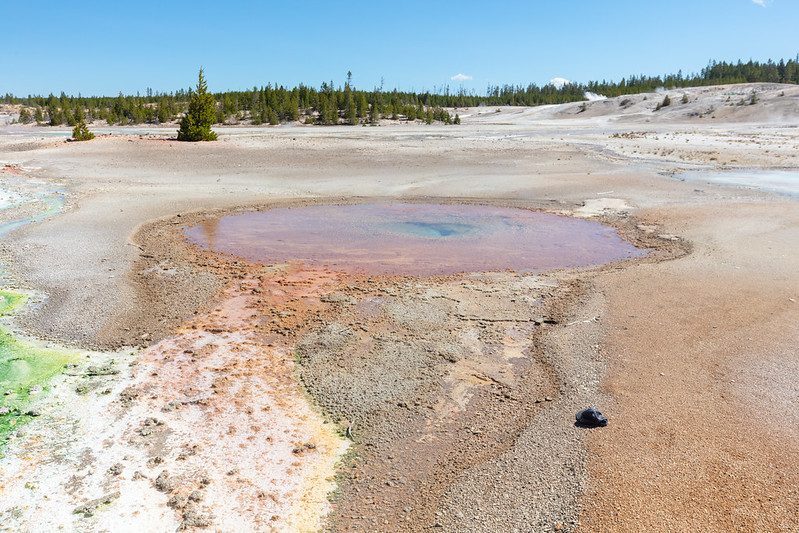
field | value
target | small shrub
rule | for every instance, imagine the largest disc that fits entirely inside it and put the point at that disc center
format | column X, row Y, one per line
column 685, row 98
column 81, row 132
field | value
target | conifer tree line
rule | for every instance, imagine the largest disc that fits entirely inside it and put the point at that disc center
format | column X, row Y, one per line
column 715, row 73
column 273, row 104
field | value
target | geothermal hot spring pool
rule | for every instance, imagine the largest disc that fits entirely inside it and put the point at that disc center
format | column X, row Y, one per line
column 414, row 239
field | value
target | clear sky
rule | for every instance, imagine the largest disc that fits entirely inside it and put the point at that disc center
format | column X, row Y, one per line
column 104, row 48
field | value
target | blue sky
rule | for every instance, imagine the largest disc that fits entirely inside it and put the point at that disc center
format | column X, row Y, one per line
column 102, row 48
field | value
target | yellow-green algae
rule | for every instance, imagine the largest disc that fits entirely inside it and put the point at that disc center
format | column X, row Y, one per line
column 25, row 365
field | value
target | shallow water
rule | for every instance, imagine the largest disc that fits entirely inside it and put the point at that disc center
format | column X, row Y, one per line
column 16, row 191
column 52, row 205
column 9, row 198
column 414, row 239
column 778, row 181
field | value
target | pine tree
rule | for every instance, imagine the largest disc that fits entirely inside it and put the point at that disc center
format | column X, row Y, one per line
column 361, row 105
column 271, row 117
column 374, row 110
column 81, row 132
column 196, row 125
column 164, row 113
column 228, row 108
column 25, row 116
column 323, row 108
column 350, row 114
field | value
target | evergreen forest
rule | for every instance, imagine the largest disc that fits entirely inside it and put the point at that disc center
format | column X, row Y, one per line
column 331, row 104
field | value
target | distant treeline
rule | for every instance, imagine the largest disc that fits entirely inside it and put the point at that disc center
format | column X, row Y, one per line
column 273, row 104
column 713, row 74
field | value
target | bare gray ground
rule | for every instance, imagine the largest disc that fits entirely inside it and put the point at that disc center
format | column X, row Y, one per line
column 613, row 156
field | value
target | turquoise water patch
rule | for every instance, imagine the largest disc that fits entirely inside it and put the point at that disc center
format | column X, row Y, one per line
column 52, row 206
column 431, row 229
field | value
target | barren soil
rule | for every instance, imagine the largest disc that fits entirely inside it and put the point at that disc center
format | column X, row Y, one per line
column 443, row 403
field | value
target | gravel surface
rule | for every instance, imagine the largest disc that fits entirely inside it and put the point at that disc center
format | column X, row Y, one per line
column 691, row 356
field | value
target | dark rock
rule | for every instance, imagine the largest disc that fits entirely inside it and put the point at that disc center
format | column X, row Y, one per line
column 591, row 418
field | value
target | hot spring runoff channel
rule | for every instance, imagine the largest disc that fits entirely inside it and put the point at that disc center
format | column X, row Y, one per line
column 414, row 239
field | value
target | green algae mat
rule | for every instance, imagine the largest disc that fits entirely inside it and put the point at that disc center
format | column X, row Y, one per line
column 26, row 368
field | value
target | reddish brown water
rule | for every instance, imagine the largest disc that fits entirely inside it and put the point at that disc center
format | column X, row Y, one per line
column 414, row 239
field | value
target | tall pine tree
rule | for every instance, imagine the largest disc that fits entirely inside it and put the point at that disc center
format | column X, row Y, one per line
column 196, row 125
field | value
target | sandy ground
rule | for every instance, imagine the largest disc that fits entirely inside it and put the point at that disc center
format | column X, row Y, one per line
column 458, row 420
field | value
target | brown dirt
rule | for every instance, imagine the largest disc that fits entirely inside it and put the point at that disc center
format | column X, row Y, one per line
column 692, row 443
column 431, row 377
